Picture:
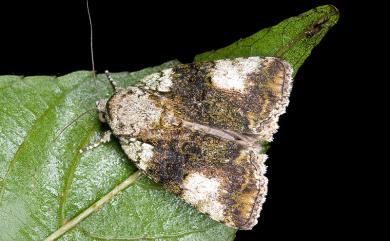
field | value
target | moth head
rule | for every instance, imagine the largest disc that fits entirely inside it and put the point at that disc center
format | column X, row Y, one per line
column 101, row 108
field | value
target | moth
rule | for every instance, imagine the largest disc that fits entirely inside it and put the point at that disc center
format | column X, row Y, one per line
column 197, row 130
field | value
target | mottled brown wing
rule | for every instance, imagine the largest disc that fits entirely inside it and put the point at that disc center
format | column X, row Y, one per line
column 242, row 95
column 219, row 177
column 194, row 129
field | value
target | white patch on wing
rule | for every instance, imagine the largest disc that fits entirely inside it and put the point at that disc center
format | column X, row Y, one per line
column 141, row 153
column 145, row 156
column 231, row 74
column 150, row 81
column 165, row 82
column 203, row 192
column 160, row 81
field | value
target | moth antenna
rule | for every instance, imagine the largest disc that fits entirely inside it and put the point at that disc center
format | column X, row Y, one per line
column 113, row 83
column 71, row 123
column 91, row 43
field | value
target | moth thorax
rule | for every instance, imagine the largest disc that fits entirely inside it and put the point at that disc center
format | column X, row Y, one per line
column 132, row 112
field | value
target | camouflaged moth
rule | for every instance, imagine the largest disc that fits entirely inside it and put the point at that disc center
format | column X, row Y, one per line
column 196, row 129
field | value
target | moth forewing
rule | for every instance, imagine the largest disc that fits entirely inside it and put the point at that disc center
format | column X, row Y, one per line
column 195, row 129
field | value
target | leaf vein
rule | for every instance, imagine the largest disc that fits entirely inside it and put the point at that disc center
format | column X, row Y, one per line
column 30, row 131
column 68, row 180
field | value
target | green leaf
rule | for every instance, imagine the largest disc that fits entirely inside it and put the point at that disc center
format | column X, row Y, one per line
column 45, row 181
column 292, row 40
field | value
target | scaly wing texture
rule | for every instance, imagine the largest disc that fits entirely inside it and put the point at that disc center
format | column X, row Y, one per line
column 194, row 128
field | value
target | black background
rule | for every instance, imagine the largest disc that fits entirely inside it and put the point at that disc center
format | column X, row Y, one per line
column 309, row 160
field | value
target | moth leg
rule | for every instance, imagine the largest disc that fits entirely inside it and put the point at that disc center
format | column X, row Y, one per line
column 105, row 137
column 113, row 83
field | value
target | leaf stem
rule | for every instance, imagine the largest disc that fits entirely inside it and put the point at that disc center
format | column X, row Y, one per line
column 94, row 207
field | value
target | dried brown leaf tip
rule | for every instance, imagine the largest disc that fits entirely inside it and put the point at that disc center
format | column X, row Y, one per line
column 196, row 128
